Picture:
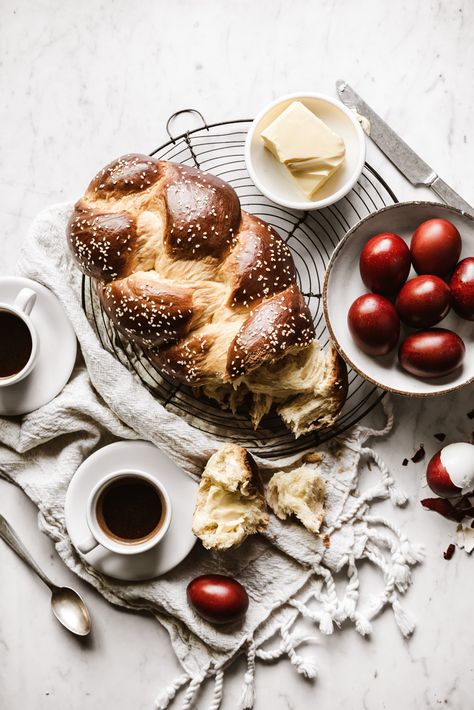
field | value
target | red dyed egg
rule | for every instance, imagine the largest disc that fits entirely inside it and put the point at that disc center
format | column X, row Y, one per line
column 435, row 247
column 385, row 263
column 462, row 288
column 431, row 353
column 374, row 324
column 217, row 598
column 423, row 301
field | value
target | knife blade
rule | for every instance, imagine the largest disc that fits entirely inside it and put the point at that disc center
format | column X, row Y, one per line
column 398, row 152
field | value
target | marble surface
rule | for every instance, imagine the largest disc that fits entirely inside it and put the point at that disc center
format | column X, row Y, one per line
column 82, row 82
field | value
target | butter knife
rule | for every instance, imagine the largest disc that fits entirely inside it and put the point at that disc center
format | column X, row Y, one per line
column 399, row 153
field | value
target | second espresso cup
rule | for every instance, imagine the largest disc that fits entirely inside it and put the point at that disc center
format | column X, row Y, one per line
column 128, row 512
column 18, row 338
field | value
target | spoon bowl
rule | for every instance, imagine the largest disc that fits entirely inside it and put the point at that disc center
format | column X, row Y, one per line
column 70, row 610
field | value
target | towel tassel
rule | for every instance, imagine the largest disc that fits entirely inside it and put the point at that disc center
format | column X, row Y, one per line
column 163, row 701
column 246, row 701
column 218, row 686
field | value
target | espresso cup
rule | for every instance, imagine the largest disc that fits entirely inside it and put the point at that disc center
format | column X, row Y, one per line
column 128, row 512
column 19, row 343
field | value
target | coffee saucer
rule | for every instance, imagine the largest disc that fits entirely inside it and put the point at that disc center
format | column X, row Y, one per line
column 179, row 539
column 56, row 354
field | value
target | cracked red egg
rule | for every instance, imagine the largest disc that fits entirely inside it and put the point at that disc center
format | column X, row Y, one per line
column 450, row 472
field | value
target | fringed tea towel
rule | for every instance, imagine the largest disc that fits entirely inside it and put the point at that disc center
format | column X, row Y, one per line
column 288, row 573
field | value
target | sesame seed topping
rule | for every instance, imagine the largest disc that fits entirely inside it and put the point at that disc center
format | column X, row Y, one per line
column 211, row 268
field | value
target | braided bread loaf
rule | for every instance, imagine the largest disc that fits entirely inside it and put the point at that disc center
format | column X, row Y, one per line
column 207, row 290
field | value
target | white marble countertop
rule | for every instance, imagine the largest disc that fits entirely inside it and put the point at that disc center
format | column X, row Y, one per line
column 83, row 82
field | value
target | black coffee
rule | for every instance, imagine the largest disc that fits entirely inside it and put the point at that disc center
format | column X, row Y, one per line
column 130, row 509
column 15, row 344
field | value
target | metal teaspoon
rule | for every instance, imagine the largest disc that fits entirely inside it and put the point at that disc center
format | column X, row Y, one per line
column 67, row 605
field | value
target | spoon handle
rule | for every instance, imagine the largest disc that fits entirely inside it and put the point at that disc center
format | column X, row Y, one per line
column 11, row 538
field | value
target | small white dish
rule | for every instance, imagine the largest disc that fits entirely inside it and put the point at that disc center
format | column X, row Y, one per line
column 182, row 490
column 274, row 180
column 57, row 349
column 343, row 284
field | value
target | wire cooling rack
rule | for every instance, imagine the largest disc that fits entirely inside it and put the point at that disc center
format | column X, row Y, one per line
column 219, row 148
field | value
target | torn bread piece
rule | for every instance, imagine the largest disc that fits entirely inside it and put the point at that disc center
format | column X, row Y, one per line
column 230, row 503
column 300, row 492
column 308, row 387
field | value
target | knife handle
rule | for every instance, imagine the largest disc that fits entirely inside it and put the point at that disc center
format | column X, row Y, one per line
column 451, row 197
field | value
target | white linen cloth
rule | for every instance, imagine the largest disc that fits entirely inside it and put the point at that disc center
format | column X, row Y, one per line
column 287, row 572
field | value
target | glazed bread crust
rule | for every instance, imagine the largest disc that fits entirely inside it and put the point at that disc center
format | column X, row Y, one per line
column 207, row 290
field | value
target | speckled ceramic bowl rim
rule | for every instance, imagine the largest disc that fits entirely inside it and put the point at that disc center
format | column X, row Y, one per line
column 340, row 350
column 307, row 205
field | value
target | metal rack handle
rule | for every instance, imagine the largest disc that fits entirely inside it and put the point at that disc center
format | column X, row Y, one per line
column 179, row 113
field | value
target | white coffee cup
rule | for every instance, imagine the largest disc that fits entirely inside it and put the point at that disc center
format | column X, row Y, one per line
column 99, row 536
column 21, row 308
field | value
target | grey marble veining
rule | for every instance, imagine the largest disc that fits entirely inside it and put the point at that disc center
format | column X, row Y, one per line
column 83, row 82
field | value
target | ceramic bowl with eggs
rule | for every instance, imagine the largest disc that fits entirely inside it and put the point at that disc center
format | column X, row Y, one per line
column 344, row 285
column 305, row 151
